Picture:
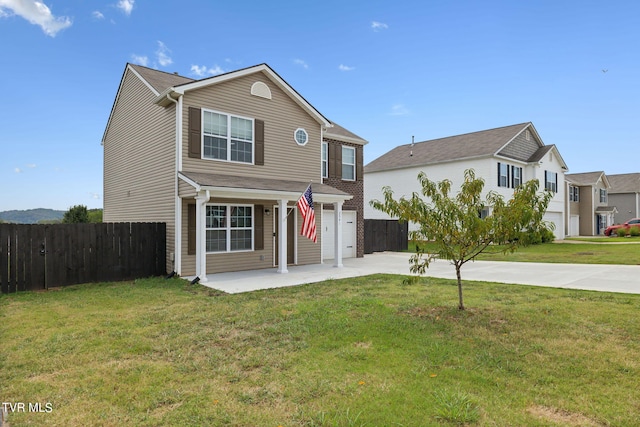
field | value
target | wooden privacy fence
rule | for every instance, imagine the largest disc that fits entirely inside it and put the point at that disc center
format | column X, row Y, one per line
column 385, row 235
column 35, row 257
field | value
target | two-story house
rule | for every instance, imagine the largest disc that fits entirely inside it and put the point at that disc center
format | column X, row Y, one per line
column 223, row 161
column 624, row 194
column 504, row 157
column 588, row 209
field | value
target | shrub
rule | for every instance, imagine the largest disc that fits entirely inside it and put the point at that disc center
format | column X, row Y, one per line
column 621, row 232
column 634, row 231
column 547, row 236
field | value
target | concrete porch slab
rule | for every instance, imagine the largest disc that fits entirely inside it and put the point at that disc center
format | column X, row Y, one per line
column 610, row 278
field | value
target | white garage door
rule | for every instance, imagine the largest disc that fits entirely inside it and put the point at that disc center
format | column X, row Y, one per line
column 348, row 234
column 556, row 219
column 574, row 225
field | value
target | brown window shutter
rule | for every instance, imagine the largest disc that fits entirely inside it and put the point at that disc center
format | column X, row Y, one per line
column 191, row 229
column 359, row 166
column 195, row 132
column 259, row 146
column 258, row 229
column 331, row 155
column 338, row 160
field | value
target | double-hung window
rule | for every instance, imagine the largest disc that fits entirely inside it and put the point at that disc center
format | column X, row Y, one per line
column 516, row 176
column 229, row 228
column 503, row 175
column 603, row 195
column 325, row 160
column 227, row 137
column 551, row 181
column 574, row 193
column 348, row 163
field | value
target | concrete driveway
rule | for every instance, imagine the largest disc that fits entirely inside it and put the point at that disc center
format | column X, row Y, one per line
column 610, row 278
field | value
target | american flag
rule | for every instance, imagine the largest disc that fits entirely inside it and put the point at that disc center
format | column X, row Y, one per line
column 305, row 204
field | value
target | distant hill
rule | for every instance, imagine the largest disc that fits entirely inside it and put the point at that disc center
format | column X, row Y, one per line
column 31, row 216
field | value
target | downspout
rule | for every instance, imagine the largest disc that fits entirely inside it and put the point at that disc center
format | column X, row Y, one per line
column 177, row 226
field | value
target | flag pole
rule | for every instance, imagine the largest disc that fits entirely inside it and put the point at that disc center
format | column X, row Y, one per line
column 302, row 194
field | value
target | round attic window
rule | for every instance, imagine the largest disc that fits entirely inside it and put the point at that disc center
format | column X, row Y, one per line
column 301, row 136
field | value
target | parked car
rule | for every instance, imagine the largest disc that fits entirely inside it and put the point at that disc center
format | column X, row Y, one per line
column 611, row 230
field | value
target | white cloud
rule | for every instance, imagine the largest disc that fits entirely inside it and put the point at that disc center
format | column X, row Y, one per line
column 36, row 13
column 377, row 26
column 17, row 170
column 399, row 110
column 126, row 6
column 301, row 63
column 31, row 165
column 97, row 14
column 342, row 67
column 95, row 196
column 202, row 71
column 140, row 59
column 163, row 54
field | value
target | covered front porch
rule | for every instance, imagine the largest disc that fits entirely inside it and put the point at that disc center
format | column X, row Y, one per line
column 268, row 223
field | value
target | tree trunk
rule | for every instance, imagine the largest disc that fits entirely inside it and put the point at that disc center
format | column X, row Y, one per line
column 460, row 301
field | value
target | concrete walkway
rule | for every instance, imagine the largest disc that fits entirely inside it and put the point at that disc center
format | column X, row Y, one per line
column 610, row 278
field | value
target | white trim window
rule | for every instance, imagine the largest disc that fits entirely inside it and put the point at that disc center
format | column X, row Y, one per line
column 348, row 163
column 516, row 176
column 603, row 195
column 574, row 193
column 325, row 160
column 503, row 175
column 226, row 137
column 551, row 181
column 301, row 136
column 229, row 228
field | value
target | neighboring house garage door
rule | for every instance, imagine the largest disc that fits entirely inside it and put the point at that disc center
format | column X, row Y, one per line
column 348, row 234
column 555, row 218
column 574, row 225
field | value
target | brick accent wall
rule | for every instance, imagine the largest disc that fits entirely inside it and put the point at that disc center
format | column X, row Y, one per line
column 356, row 188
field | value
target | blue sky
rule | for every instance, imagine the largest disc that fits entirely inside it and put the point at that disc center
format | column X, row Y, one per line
column 385, row 70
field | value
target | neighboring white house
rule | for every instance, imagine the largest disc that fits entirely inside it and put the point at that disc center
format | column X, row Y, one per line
column 504, row 157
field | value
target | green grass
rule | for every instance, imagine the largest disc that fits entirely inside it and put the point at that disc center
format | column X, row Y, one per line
column 595, row 239
column 571, row 253
column 356, row 352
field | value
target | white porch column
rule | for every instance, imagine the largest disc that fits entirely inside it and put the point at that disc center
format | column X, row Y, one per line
column 282, row 236
column 201, row 245
column 337, row 229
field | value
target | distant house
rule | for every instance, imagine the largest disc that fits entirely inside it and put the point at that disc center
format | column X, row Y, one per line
column 222, row 161
column 504, row 157
column 624, row 194
column 589, row 210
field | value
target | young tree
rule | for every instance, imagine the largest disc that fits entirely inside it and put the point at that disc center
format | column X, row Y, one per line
column 76, row 214
column 455, row 224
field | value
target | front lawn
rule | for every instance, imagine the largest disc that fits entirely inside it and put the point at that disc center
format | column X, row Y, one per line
column 570, row 253
column 368, row 351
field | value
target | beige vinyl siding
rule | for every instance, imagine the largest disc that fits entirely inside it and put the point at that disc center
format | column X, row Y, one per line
column 308, row 252
column 139, row 160
column 186, row 190
column 587, row 226
column 284, row 159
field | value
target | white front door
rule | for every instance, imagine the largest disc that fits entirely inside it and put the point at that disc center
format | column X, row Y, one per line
column 349, row 228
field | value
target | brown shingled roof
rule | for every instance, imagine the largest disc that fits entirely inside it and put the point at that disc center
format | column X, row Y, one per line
column 339, row 133
column 160, row 80
column 586, row 178
column 470, row 145
column 624, row 183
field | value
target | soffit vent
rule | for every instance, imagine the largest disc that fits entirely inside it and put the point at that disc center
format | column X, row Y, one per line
column 260, row 89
